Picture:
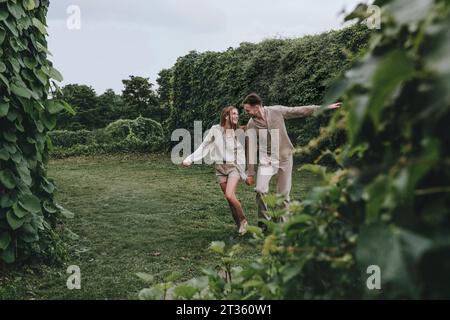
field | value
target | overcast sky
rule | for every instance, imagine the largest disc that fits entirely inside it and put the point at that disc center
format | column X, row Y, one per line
column 119, row 38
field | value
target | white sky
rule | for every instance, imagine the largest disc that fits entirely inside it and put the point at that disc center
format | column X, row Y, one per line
column 119, row 38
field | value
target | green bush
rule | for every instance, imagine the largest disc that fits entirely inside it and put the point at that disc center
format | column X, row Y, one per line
column 110, row 148
column 67, row 139
column 142, row 129
column 121, row 136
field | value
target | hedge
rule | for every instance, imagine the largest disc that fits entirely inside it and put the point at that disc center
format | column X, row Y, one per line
column 121, row 136
column 283, row 71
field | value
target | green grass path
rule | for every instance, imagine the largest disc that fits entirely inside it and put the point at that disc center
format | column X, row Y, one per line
column 136, row 214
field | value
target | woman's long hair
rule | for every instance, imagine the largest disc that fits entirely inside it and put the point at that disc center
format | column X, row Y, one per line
column 226, row 112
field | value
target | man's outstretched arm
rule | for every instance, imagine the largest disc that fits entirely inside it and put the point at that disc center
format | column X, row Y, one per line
column 303, row 111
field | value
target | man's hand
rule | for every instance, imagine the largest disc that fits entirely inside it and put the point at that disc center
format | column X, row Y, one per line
column 186, row 163
column 250, row 181
column 335, row 105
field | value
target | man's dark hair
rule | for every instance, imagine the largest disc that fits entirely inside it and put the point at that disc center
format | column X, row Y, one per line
column 253, row 99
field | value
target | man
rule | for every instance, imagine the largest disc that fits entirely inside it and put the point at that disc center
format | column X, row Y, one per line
column 275, row 148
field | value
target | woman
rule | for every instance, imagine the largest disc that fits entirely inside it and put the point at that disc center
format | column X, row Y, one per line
column 229, row 156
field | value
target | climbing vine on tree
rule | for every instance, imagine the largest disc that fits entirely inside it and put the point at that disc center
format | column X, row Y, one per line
column 29, row 217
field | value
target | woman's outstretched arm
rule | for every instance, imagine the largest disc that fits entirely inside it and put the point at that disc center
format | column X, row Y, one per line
column 202, row 150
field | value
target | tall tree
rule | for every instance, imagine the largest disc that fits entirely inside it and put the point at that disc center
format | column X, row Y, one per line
column 140, row 98
column 165, row 92
column 84, row 100
column 110, row 106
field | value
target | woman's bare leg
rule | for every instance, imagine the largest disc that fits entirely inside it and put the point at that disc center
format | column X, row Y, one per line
column 230, row 195
column 223, row 186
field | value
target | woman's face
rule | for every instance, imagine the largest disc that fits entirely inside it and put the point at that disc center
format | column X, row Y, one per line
column 234, row 116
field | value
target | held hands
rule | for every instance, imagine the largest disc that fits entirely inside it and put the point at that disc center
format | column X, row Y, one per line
column 250, row 181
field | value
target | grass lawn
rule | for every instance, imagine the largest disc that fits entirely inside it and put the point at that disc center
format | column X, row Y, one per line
column 136, row 214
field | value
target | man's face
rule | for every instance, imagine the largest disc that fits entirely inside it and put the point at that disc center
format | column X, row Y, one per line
column 252, row 111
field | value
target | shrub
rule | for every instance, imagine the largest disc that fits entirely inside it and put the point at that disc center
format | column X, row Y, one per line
column 139, row 135
column 66, row 139
column 142, row 129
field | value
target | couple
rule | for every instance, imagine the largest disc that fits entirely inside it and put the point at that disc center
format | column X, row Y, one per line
column 274, row 150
